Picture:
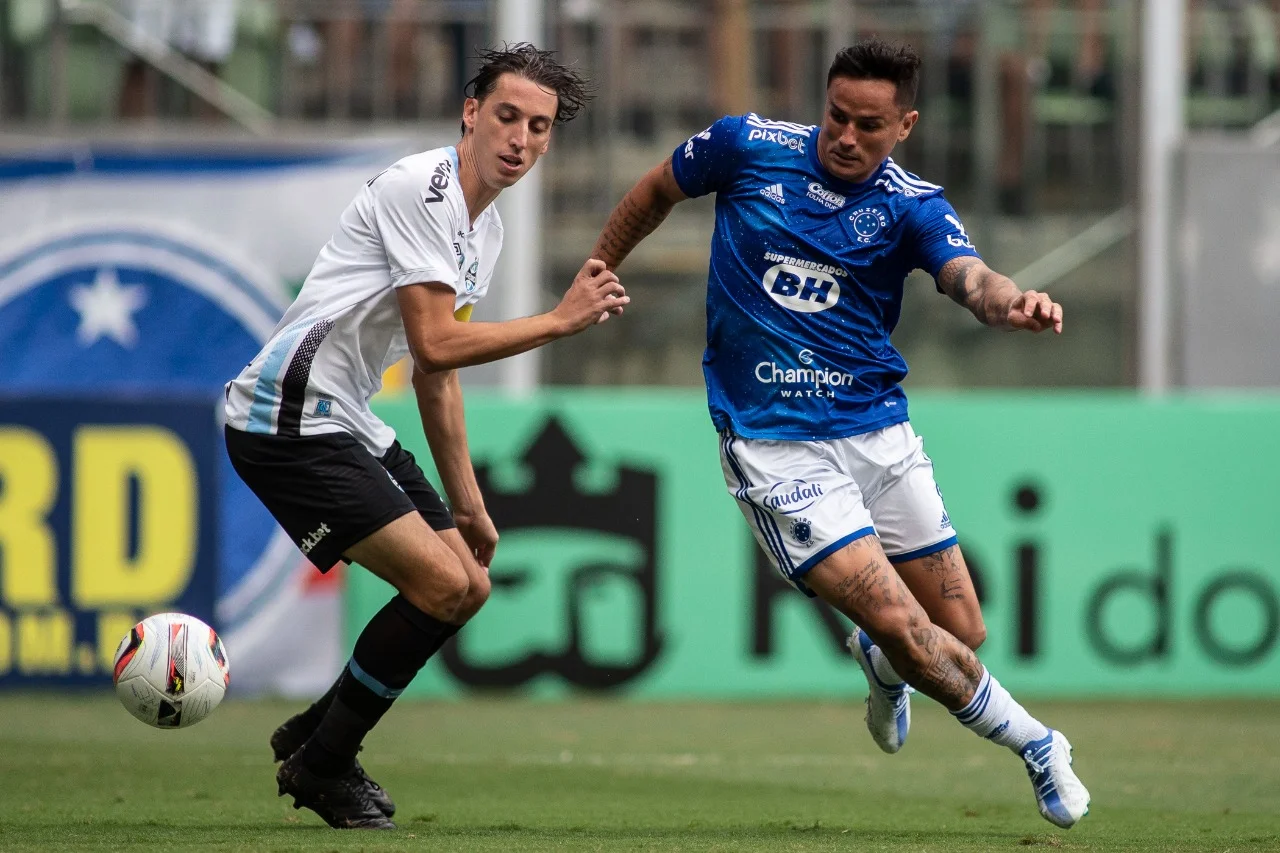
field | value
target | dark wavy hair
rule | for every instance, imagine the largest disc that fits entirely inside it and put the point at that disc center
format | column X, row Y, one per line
column 572, row 89
column 875, row 59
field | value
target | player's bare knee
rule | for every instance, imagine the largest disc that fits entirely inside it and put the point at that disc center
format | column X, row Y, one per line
column 973, row 635
column 453, row 588
column 968, row 629
column 439, row 589
column 908, row 639
column 477, row 595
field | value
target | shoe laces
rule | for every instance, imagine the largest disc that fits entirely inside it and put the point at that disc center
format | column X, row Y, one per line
column 1039, row 764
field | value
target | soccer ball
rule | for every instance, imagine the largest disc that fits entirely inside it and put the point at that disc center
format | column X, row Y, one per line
column 171, row 670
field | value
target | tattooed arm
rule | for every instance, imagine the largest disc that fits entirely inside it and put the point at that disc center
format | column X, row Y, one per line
column 995, row 300
column 639, row 213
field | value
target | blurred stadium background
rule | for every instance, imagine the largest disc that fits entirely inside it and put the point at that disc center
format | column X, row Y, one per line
column 169, row 169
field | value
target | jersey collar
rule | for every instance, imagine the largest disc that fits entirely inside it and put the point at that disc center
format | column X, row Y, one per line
column 830, row 180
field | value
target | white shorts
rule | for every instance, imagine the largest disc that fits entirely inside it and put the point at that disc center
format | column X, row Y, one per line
column 804, row 500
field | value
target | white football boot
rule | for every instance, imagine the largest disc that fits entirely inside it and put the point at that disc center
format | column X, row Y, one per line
column 888, row 705
column 1060, row 794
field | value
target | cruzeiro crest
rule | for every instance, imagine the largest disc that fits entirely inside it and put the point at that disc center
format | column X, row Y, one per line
column 577, row 583
column 868, row 222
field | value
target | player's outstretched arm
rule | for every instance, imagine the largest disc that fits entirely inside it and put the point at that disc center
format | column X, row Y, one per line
column 995, row 300
column 439, row 398
column 439, row 341
column 638, row 215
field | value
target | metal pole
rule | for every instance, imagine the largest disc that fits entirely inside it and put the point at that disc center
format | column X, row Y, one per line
column 59, row 97
column 988, row 123
column 520, row 272
column 1163, row 123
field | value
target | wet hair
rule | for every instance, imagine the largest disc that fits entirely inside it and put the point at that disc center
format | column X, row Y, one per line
column 523, row 59
column 875, row 59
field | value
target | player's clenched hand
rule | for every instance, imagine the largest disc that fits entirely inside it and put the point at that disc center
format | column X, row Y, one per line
column 1035, row 312
column 593, row 296
column 478, row 532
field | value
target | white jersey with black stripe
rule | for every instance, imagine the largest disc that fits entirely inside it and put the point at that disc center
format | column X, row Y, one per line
column 326, row 357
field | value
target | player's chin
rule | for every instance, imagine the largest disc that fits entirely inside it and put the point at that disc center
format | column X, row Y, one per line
column 507, row 177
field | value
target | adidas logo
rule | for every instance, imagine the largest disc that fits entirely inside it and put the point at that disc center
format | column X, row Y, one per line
column 774, row 193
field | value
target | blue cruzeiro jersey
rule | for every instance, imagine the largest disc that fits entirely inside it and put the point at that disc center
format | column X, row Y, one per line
column 806, row 277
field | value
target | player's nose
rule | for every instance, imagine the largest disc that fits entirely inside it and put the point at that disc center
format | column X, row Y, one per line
column 520, row 137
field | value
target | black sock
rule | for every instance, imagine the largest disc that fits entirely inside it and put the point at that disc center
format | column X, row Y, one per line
column 391, row 649
column 313, row 715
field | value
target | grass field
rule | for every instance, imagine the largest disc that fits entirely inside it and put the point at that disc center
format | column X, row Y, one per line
column 77, row 773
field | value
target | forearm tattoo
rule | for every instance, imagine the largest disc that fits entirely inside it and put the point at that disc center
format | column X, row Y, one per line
column 984, row 292
column 631, row 221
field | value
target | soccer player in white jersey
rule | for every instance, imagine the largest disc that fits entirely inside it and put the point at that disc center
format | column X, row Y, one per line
column 816, row 230
column 412, row 254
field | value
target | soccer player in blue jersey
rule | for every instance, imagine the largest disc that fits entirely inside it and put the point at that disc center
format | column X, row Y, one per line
column 816, row 230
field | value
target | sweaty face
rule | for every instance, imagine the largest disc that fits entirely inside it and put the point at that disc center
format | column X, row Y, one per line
column 861, row 125
column 511, row 127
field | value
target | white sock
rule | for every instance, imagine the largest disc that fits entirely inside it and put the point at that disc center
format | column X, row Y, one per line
column 883, row 669
column 996, row 716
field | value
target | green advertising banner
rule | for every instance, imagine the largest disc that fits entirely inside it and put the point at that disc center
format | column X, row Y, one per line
column 1120, row 546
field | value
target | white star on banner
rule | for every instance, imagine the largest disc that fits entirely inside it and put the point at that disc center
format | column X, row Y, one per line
column 106, row 309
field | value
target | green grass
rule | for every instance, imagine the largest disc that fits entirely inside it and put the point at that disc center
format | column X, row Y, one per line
column 77, row 773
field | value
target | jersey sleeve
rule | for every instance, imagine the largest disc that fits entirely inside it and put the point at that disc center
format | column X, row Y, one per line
column 938, row 235
column 417, row 232
column 707, row 162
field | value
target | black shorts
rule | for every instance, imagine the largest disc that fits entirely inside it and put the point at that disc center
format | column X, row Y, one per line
column 328, row 492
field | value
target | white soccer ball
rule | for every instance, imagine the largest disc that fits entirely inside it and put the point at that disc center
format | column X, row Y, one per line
column 171, row 670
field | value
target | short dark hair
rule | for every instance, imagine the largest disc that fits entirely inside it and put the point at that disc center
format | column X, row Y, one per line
column 572, row 90
column 876, row 59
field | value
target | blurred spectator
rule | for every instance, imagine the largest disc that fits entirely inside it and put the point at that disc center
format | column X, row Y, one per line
column 1233, row 47
column 349, row 44
column 203, row 30
column 997, row 26
column 1086, row 66
column 150, row 19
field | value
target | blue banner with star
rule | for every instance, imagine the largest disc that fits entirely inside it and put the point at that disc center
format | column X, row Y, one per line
column 155, row 273
column 128, row 311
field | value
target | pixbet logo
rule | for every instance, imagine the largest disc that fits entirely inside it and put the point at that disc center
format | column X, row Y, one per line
column 795, row 143
column 799, row 289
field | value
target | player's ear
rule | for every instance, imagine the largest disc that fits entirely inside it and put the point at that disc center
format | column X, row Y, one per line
column 909, row 119
column 470, row 110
